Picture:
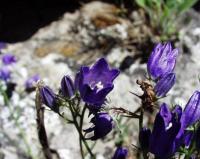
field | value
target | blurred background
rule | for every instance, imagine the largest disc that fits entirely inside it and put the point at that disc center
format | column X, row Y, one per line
column 51, row 38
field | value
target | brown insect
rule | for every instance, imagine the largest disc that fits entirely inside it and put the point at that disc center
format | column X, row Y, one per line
column 148, row 97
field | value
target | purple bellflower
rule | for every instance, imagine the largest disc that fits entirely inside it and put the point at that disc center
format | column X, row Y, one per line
column 165, row 84
column 5, row 74
column 95, row 82
column 167, row 132
column 102, row 125
column 67, row 87
column 29, row 84
column 170, row 127
column 192, row 109
column 162, row 60
column 49, row 98
column 120, row 153
column 8, row 59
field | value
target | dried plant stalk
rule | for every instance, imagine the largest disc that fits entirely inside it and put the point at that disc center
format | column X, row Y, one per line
column 41, row 127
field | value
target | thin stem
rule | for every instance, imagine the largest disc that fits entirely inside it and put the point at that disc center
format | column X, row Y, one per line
column 81, row 125
column 124, row 111
column 141, row 118
column 17, row 124
column 144, row 153
column 81, row 148
column 67, row 120
column 79, row 131
column 41, row 127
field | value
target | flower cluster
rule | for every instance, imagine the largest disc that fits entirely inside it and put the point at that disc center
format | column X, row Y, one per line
column 173, row 130
column 170, row 128
column 91, row 84
column 160, row 68
column 8, row 62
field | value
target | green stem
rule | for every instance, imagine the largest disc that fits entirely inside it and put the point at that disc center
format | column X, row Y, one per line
column 144, row 153
column 17, row 124
column 141, row 118
column 79, row 131
column 81, row 125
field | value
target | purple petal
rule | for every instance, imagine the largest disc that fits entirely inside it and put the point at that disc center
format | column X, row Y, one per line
column 162, row 60
column 165, row 134
column 187, row 138
column 67, row 87
column 100, row 72
column 120, row 153
column 96, row 82
column 8, row 59
column 30, row 81
column 5, row 74
column 165, row 84
column 48, row 98
column 165, row 113
column 77, row 81
column 103, row 124
column 192, row 109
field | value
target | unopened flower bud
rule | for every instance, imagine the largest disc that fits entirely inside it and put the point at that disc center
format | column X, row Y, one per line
column 67, row 87
column 48, row 98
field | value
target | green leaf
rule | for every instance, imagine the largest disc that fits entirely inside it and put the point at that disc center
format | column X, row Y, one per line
column 185, row 5
column 141, row 3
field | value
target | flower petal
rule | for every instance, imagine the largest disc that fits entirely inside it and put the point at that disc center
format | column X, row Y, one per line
column 165, row 84
column 192, row 109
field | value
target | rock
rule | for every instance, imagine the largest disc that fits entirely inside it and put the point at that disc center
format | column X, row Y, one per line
column 101, row 14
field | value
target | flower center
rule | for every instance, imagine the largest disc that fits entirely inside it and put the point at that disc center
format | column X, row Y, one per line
column 169, row 126
column 98, row 86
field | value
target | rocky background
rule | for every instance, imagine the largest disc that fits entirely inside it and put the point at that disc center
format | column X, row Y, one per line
column 79, row 38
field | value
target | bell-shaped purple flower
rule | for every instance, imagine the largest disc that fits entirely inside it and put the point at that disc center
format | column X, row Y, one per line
column 120, row 153
column 29, row 84
column 67, row 87
column 49, row 98
column 144, row 138
column 5, row 74
column 192, row 109
column 102, row 125
column 8, row 59
column 167, row 132
column 162, row 60
column 165, row 84
column 95, row 82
